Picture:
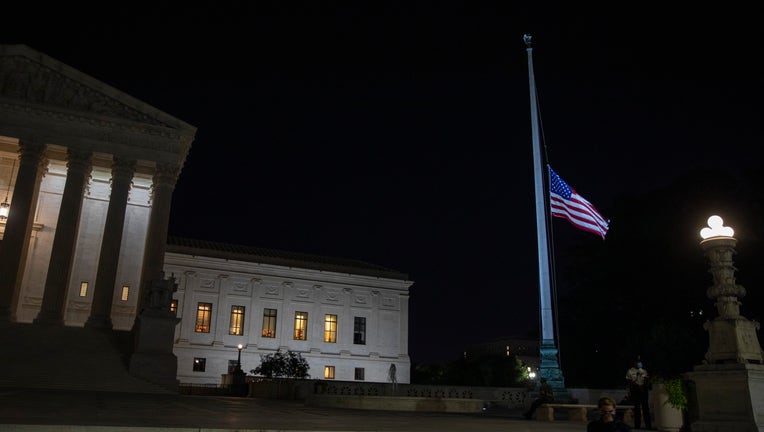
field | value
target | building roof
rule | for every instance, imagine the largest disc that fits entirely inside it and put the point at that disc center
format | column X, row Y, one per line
column 259, row 255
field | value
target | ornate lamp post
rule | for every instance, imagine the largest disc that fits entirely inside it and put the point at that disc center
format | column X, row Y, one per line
column 729, row 385
column 732, row 337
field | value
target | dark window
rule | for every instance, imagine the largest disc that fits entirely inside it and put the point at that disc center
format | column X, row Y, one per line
column 359, row 330
column 359, row 374
column 232, row 365
column 200, row 364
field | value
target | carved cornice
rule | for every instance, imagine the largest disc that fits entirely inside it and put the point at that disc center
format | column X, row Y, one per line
column 103, row 123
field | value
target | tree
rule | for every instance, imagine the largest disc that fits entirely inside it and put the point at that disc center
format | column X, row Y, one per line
column 282, row 365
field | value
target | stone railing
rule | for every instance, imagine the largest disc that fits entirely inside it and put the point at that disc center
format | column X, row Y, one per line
column 405, row 397
column 511, row 397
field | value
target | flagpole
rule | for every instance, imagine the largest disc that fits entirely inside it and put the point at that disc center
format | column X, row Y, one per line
column 549, row 366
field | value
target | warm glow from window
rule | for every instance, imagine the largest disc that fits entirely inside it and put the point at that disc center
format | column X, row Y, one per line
column 125, row 292
column 203, row 314
column 83, row 289
column 330, row 328
column 301, row 325
column 269, row 323
column 328, row 372
column 237, row 321
column 174, row 306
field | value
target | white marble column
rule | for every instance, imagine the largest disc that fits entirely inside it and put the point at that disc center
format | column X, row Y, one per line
column 79, row 165
column 121, row 179
column 18, row 226
column 165, row 178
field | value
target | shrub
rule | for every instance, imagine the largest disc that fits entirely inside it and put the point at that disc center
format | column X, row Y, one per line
column 282, row 365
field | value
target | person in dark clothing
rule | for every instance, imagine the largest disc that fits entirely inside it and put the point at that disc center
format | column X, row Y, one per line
column 639, row 385
column 608, row 422
column 546, row 395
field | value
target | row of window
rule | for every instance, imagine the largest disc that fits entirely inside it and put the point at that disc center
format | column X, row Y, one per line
column 200, row 365
column 236, row 326
column 84, row 290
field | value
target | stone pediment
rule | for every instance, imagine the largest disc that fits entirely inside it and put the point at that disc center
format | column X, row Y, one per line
column 32, row 77
column 44, row 100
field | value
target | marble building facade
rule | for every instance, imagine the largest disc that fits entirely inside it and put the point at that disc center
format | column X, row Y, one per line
column 88, row 173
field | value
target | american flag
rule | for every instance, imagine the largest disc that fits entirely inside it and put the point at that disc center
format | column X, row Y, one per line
column 568, row 204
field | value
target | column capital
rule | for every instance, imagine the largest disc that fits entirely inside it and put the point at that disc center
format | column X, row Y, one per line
column 32, row 153
column 123, row 169
column 166, row 174
column 79, row 161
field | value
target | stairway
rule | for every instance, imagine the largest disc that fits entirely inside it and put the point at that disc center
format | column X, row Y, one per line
column 68, row 358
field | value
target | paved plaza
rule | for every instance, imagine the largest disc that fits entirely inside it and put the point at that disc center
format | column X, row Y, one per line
column 70, row 411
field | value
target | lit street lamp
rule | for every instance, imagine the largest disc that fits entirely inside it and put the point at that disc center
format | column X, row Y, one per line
column 238, row 362
column 732, row 374
column 732, row 337
column 239, row 379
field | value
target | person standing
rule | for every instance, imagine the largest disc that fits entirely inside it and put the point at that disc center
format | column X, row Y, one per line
column 546, row 395
column 607, row 421
column 639, row 384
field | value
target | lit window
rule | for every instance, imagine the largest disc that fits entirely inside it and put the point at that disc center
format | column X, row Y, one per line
column 359, row 330
column 237, row 321
column 301, row 325
column 174, row 306
column 328, row 372
column 125, row 292
column 269, row 323
column 203, row 313
column 359, row 374
column 330, row 328
column 200, row 364
column 83, row 289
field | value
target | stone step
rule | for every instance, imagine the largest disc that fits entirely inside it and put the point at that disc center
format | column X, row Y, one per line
column 75, row 358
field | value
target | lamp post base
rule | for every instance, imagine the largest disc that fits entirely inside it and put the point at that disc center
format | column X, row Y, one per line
column 730, row 397
column 549, row 368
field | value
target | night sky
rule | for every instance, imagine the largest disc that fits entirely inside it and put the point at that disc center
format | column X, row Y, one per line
column 401, row 135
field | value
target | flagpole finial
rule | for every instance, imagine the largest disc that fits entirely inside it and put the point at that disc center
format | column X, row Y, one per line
column 527, row 40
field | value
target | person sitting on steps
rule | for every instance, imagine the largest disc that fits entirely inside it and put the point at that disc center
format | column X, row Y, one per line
column 608, row 421
column 546, row 395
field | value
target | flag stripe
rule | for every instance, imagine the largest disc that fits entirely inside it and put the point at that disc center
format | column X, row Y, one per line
column 578, row 208
column 566, row 203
